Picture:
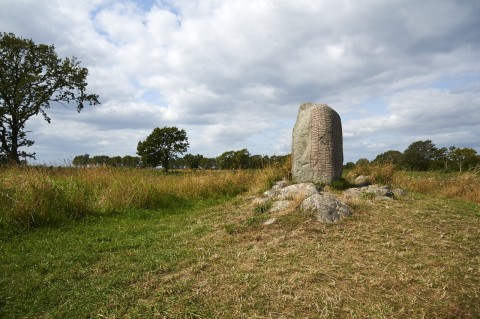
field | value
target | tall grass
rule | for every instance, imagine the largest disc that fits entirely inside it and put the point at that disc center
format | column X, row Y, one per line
column 464, row 186
column 35, row 196
column 378, row 173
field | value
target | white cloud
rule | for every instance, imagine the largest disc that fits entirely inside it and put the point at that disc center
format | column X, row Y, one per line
column 443, row 116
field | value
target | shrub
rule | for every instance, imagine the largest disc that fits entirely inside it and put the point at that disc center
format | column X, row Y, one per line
column 382, row 174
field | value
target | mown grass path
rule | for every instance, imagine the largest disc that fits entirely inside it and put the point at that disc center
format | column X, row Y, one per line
column 410, row 258
column 91, row 268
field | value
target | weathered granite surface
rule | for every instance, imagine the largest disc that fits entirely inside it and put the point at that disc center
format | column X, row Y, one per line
column 285, row 197
column 327, row 207
column 317, row 145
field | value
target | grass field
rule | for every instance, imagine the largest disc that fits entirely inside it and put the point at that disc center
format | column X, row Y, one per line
column 212, row 256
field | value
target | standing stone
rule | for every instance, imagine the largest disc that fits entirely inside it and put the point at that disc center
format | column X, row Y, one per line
column 317, row 145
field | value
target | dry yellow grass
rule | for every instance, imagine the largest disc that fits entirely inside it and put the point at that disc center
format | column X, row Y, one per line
column 402, row 259
column 378, row 173
column 32, row 196
column 465, row 186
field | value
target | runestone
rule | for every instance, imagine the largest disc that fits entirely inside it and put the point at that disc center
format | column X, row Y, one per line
column 317, row 145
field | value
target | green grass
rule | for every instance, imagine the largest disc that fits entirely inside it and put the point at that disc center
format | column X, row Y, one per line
column 213, row 258
column 96, row 267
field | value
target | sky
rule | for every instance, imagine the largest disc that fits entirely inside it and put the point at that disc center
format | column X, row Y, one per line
column 233, row 73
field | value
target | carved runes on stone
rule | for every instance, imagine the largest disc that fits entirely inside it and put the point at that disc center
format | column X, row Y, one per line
column 317, row 145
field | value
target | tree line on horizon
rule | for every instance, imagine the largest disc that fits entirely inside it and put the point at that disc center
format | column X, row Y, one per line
column 425, row 156
column 162, row 149
column 240, row 159
column 419, row 156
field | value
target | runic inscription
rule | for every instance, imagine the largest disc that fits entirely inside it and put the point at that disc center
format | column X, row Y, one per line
column 320, row 141
column 317, row 147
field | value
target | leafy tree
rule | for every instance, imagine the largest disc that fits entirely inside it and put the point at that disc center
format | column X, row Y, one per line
column 463, row 157
column 100, row 160
column 419, row 155
column 179, row 162
column 115, row 161
column 32, row 77
column 443, row 158
column 389, row 157
column 279, row 160
column 234, row 159
column 362, row 162
column 162, row 146
column 258, row 161
column 131, row 161
column 349, row 165
column 242, row 158
column 226, row 160
column 208, row 163
column 81, row 160
column 193, row 161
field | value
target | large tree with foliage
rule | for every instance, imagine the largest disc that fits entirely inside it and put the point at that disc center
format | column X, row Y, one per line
column 162, row 146
column 226, row 160
column 234, row 159
column 32, row 77
column 389, row 157
column 463, row 158
column 419, row 155
column 81, row 160
column 193, row 161
column 130, row 161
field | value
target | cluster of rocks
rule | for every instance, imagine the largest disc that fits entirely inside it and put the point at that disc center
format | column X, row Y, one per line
column 374, row 192
column 326, row 207
column 365, row 190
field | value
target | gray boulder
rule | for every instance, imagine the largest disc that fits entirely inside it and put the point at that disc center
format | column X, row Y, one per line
column 399, row 192
column 279, row 185
column 302, row 190
column 362, row 180
column 271, row 193
column 353, row 193
column 275, row 190
column 327, row 207
column 376, row 192
column 317, row 145
column 280, row 205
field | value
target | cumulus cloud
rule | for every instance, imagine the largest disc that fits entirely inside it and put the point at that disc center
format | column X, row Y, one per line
column 233, row 73
column 443, row 116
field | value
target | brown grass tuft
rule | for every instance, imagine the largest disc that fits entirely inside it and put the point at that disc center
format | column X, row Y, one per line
column 379, row 173
column 465, row 186
column 38, row 195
